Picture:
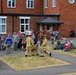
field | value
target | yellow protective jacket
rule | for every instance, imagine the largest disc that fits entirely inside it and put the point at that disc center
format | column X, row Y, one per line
column 44, row 44
column 29, row 42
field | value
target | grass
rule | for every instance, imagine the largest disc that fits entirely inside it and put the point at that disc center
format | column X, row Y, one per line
column 24, row 63
column 69, row 74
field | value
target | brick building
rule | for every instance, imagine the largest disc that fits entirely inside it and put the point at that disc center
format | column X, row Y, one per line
column 46, row 15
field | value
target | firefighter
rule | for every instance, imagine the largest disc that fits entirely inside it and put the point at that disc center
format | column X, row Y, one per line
column 44, row 47
column 35, row 47
column 29, row 44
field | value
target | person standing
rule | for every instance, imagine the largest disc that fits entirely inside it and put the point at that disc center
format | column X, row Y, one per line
column 29, row 44
column 44, row 46
column 15, row 40
column 23, row 42
column 8, row 44
column 52, row 37
column 41, row 37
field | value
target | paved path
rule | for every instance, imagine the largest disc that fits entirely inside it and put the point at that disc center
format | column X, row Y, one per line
column 43, row 71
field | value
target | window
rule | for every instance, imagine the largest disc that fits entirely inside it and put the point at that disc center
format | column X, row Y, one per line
column 24, row 24
column 2, row 25
column 45, row 3
column 11, row 3
column 71, row 1
column 53, row 3
column 29, row 3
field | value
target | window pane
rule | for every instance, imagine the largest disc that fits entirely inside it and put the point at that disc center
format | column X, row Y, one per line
column 71, row 1
column 26, row 21
column 0, row 28
column 31, row 3
column 3, row 28
column 53, row 3
column 28, row 3
column 22, row 20
column 3, row 20
column 0, row 20
column 9, row 3
column 22, row 28
column 26, row 27
column 45, row 3
column 13, row 3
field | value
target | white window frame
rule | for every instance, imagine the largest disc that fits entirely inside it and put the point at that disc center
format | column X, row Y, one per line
column 29, row 3
column 71, row 1
column 3, row 17
column 24, row 23
column 45, row 3
column 11, row 4
column 53, row 3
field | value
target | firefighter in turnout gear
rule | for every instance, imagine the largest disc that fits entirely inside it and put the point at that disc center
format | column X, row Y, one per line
column 29, row 44
column 44, row 47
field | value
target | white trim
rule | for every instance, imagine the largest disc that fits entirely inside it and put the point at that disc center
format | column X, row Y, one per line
column 25, row 24
column 3, row 16
column 71, row 2
column 4, row 24
column 11, row 6
column 24, row 17
column 30, row 4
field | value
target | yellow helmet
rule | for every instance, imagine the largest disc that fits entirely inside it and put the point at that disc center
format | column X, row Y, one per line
column 44, row 35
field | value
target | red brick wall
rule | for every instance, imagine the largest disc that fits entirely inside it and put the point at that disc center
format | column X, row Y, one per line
column 68, row 16
column 9, row 25
column 16, row 24
column 63, row 7
column 50, row 9
column 33, row 24
column 0, row 5
column 21, row 7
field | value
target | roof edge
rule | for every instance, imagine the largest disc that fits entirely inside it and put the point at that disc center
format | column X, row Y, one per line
column 24, row 14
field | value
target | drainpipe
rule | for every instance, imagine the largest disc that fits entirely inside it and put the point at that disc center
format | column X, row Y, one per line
column 1, row 6
column 12, row 24
column 42, row 6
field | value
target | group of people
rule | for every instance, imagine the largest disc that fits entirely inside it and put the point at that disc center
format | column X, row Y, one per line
column 17, row 41
column 32, row 45
column 63, row 44
column 27, row 42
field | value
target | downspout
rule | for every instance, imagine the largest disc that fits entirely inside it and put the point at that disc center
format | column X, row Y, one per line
column 42, row 6
column 12, row 24
column 1, row 6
